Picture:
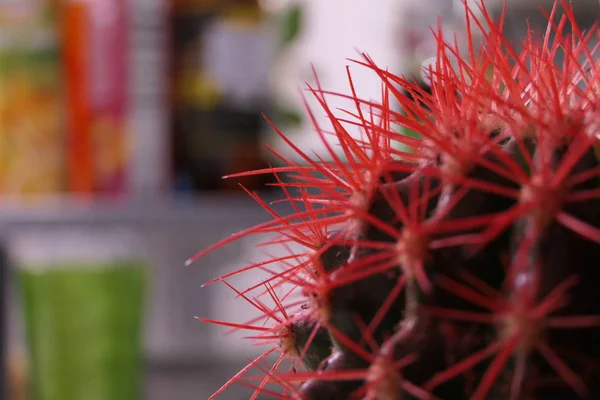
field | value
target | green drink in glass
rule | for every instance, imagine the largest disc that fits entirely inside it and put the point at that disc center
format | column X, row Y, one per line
column 83, row 317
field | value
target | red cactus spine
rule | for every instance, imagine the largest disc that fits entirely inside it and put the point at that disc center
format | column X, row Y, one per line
column 463, row 267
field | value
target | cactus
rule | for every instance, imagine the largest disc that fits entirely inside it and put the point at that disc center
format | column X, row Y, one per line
column 464, row 268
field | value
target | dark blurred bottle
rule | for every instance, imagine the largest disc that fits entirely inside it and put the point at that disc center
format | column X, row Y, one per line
column 222, row 52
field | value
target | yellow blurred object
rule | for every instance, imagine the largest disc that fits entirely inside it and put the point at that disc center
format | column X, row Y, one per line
column 243, row 15
column 194, row 5
column 199, row 89
column 32, row 137
column 111, row 152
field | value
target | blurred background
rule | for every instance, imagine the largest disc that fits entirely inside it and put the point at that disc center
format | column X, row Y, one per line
column 118, row 119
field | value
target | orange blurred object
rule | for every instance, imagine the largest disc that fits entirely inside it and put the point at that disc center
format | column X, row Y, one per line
column 95, row 54
column 17, row 376
column 75, row 43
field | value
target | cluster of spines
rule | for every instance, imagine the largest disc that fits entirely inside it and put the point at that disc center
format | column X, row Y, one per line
column 464, row 268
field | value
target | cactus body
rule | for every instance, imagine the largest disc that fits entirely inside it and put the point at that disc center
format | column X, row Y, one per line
column 465, row 267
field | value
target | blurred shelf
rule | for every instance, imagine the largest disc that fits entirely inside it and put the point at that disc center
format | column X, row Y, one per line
column 173, row 229
column 207, row 209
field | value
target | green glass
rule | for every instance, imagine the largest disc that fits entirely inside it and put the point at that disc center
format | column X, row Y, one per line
column 84, row 330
